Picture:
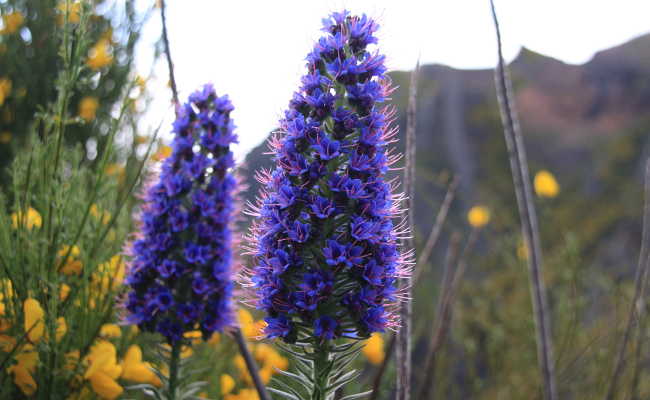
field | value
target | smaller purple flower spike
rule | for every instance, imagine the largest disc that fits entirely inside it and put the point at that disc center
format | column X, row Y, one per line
column 326, row 231
column 180, row 271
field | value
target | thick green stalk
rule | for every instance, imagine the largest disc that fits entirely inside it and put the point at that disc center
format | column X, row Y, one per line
column 322, row 369
column 173, row 369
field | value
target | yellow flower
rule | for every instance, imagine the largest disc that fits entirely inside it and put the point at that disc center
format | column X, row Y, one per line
column 7, row 343
column 266, row 373
column 141, row 82
column 5, row 137
column 110, row 275
column 105, row 386
column 61, row 328
column 240, row 364
column 99, row 55
column 522, row 251
column 72, row 265
column 30, row 220
column 186, row 351
column 116, row 170
column 73, row 10
column 64, row 291
column 227, row 384
column 6, row 289
column 244, row 394
column 5, row 89
column 12, row 22
column 374, row 349
column 478, row 216
column 88, row 108
column 546, row 185
column 110, row 331
column 34, row 325
column 214, row 339
column 135, row 370
column 25, row 366
column 103, row 370
column 246, row 323
column 163, row 152
column 71, row 360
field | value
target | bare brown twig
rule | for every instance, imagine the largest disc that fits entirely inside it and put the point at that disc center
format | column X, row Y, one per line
column 376, row 382
column 404, row 333
column 528, row 217
column 434, row 235
column 639, row 289
column 426, row 252
column 168, row 55
column 250, row 365
column 446, row 299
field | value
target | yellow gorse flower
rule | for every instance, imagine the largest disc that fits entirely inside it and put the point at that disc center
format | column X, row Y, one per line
column 61, row 328
column 478, row 216
column 244, row 394
column 374, row 349
column 73, row 9
column 12, row 22
column 99, row 55
column 72, row 265
column 103, row 370
column 226, row 383
column 546, row 185
column 135, row 370
column 109, row 275
column 110, row 331
column 163, row 152
column 97, row 213
column 7, row 343
column 34, row 324
column 88, row 108
column 22, row 370
column 5, row 89
column 64, row 291
column 5, row 137
column 30, row 220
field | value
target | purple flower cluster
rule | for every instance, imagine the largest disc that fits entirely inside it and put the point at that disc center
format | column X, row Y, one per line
column 325, row 245
column 180, row 274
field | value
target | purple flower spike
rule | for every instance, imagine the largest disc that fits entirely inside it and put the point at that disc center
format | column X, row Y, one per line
column 180, row 272
column 324, row 239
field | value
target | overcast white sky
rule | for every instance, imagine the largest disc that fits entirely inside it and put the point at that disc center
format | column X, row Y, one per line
column 254, row 50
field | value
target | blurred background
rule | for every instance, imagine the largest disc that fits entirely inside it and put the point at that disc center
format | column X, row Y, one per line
column 581, row 73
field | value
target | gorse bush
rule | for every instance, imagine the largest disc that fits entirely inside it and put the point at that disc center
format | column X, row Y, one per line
column 63, row 223
column 30, row 63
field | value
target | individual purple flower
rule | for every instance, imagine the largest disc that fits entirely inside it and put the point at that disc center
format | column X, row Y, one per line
column 180, row 271
column 324, row 239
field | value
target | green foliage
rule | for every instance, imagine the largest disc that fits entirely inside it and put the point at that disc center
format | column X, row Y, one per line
column 30, row 66
column 63, row 222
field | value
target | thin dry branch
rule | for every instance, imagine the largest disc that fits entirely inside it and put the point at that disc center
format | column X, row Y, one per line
column 404, row 334
column 168, row 55
column 426, row 252
column 639, row 291
column 528, row 217
column 251, row 365
column 376, row 382
column 444, row 312
column 434, row 235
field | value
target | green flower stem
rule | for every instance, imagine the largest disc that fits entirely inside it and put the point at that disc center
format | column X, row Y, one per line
column 322, row 369
column 173, row 369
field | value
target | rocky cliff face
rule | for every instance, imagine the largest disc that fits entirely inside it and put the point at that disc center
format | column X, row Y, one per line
column 588, row 124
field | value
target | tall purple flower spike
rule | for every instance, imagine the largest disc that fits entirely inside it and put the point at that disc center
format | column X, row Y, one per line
column 325, row 239
column 180, row 272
